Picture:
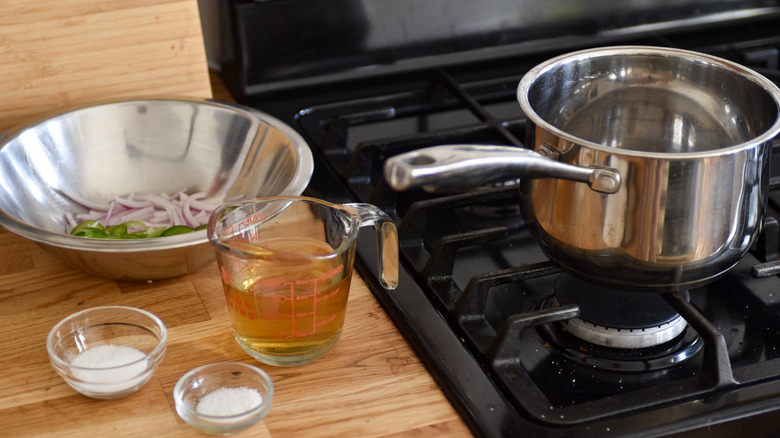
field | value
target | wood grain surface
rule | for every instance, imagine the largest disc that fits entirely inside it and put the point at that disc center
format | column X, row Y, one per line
column 75, row 51
column 371, row 384
column 61, row 54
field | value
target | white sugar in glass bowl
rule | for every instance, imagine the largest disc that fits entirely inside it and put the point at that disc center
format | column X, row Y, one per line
column 223, row 398
column 107, row 352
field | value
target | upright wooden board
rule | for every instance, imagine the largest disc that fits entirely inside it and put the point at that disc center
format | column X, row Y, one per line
column 57, row 54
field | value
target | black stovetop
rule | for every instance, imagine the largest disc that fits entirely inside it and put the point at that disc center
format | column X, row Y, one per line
column 475, row 299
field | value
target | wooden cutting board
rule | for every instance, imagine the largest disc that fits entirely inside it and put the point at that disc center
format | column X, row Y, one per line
column 56, row 54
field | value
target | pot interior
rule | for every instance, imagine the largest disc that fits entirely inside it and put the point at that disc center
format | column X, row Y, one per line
column 653, row 101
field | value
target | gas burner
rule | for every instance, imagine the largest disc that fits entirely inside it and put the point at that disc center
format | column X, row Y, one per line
column 477, row 287
column 492, row 215
column 618, row 330
column 615, row 318
column 625, row 338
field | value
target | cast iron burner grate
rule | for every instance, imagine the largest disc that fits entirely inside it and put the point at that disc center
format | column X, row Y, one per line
column 473, row 279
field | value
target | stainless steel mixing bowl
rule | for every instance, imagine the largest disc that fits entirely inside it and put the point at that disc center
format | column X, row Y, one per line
column 154, row 145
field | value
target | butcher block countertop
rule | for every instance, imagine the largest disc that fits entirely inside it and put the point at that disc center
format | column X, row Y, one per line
column 370, row 385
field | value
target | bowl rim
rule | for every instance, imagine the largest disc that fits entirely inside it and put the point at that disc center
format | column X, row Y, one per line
column 192, row 414
column 156, row 351
column 39, row 235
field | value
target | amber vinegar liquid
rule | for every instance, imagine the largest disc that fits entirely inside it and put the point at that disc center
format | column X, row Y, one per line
column 286, row 307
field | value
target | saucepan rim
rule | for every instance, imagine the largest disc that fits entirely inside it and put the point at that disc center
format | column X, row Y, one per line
column 539, row 70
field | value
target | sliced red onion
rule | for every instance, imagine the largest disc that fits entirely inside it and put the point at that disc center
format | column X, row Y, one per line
column 187, row 209
column 86, row 203
column 70, row 220
column 131, row 203
column 154, row 210
column 208, row 204
column 140, row 214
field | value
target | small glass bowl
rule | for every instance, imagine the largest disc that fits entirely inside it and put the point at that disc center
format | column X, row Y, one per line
column 107, row 352
column 192, row 387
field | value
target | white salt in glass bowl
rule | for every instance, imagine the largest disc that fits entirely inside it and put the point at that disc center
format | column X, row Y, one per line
column 107, row 352
column 223, row 398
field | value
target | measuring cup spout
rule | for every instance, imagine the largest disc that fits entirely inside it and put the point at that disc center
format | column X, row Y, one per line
column 387, row 241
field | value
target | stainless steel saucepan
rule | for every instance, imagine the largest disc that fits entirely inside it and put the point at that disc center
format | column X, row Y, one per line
column 673, row 146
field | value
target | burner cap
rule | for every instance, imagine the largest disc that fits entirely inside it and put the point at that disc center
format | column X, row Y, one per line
column 617, row 318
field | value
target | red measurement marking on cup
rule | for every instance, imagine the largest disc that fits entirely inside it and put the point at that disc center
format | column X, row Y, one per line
column 241, row 306
column 313, row 313
column 295, row 295
column 243, row 229
column 304, row 300
column 314, row 310
column 292, row 307
column 326, row 321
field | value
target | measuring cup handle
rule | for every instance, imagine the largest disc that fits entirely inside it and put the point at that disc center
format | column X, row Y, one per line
column 387, row 241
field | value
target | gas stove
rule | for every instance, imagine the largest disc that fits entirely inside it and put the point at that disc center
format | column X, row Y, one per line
column 518, row 346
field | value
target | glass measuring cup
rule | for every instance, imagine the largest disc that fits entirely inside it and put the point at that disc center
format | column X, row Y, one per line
column 286, row 265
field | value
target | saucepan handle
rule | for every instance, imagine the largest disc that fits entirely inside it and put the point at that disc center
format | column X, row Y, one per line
column 461, row 167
